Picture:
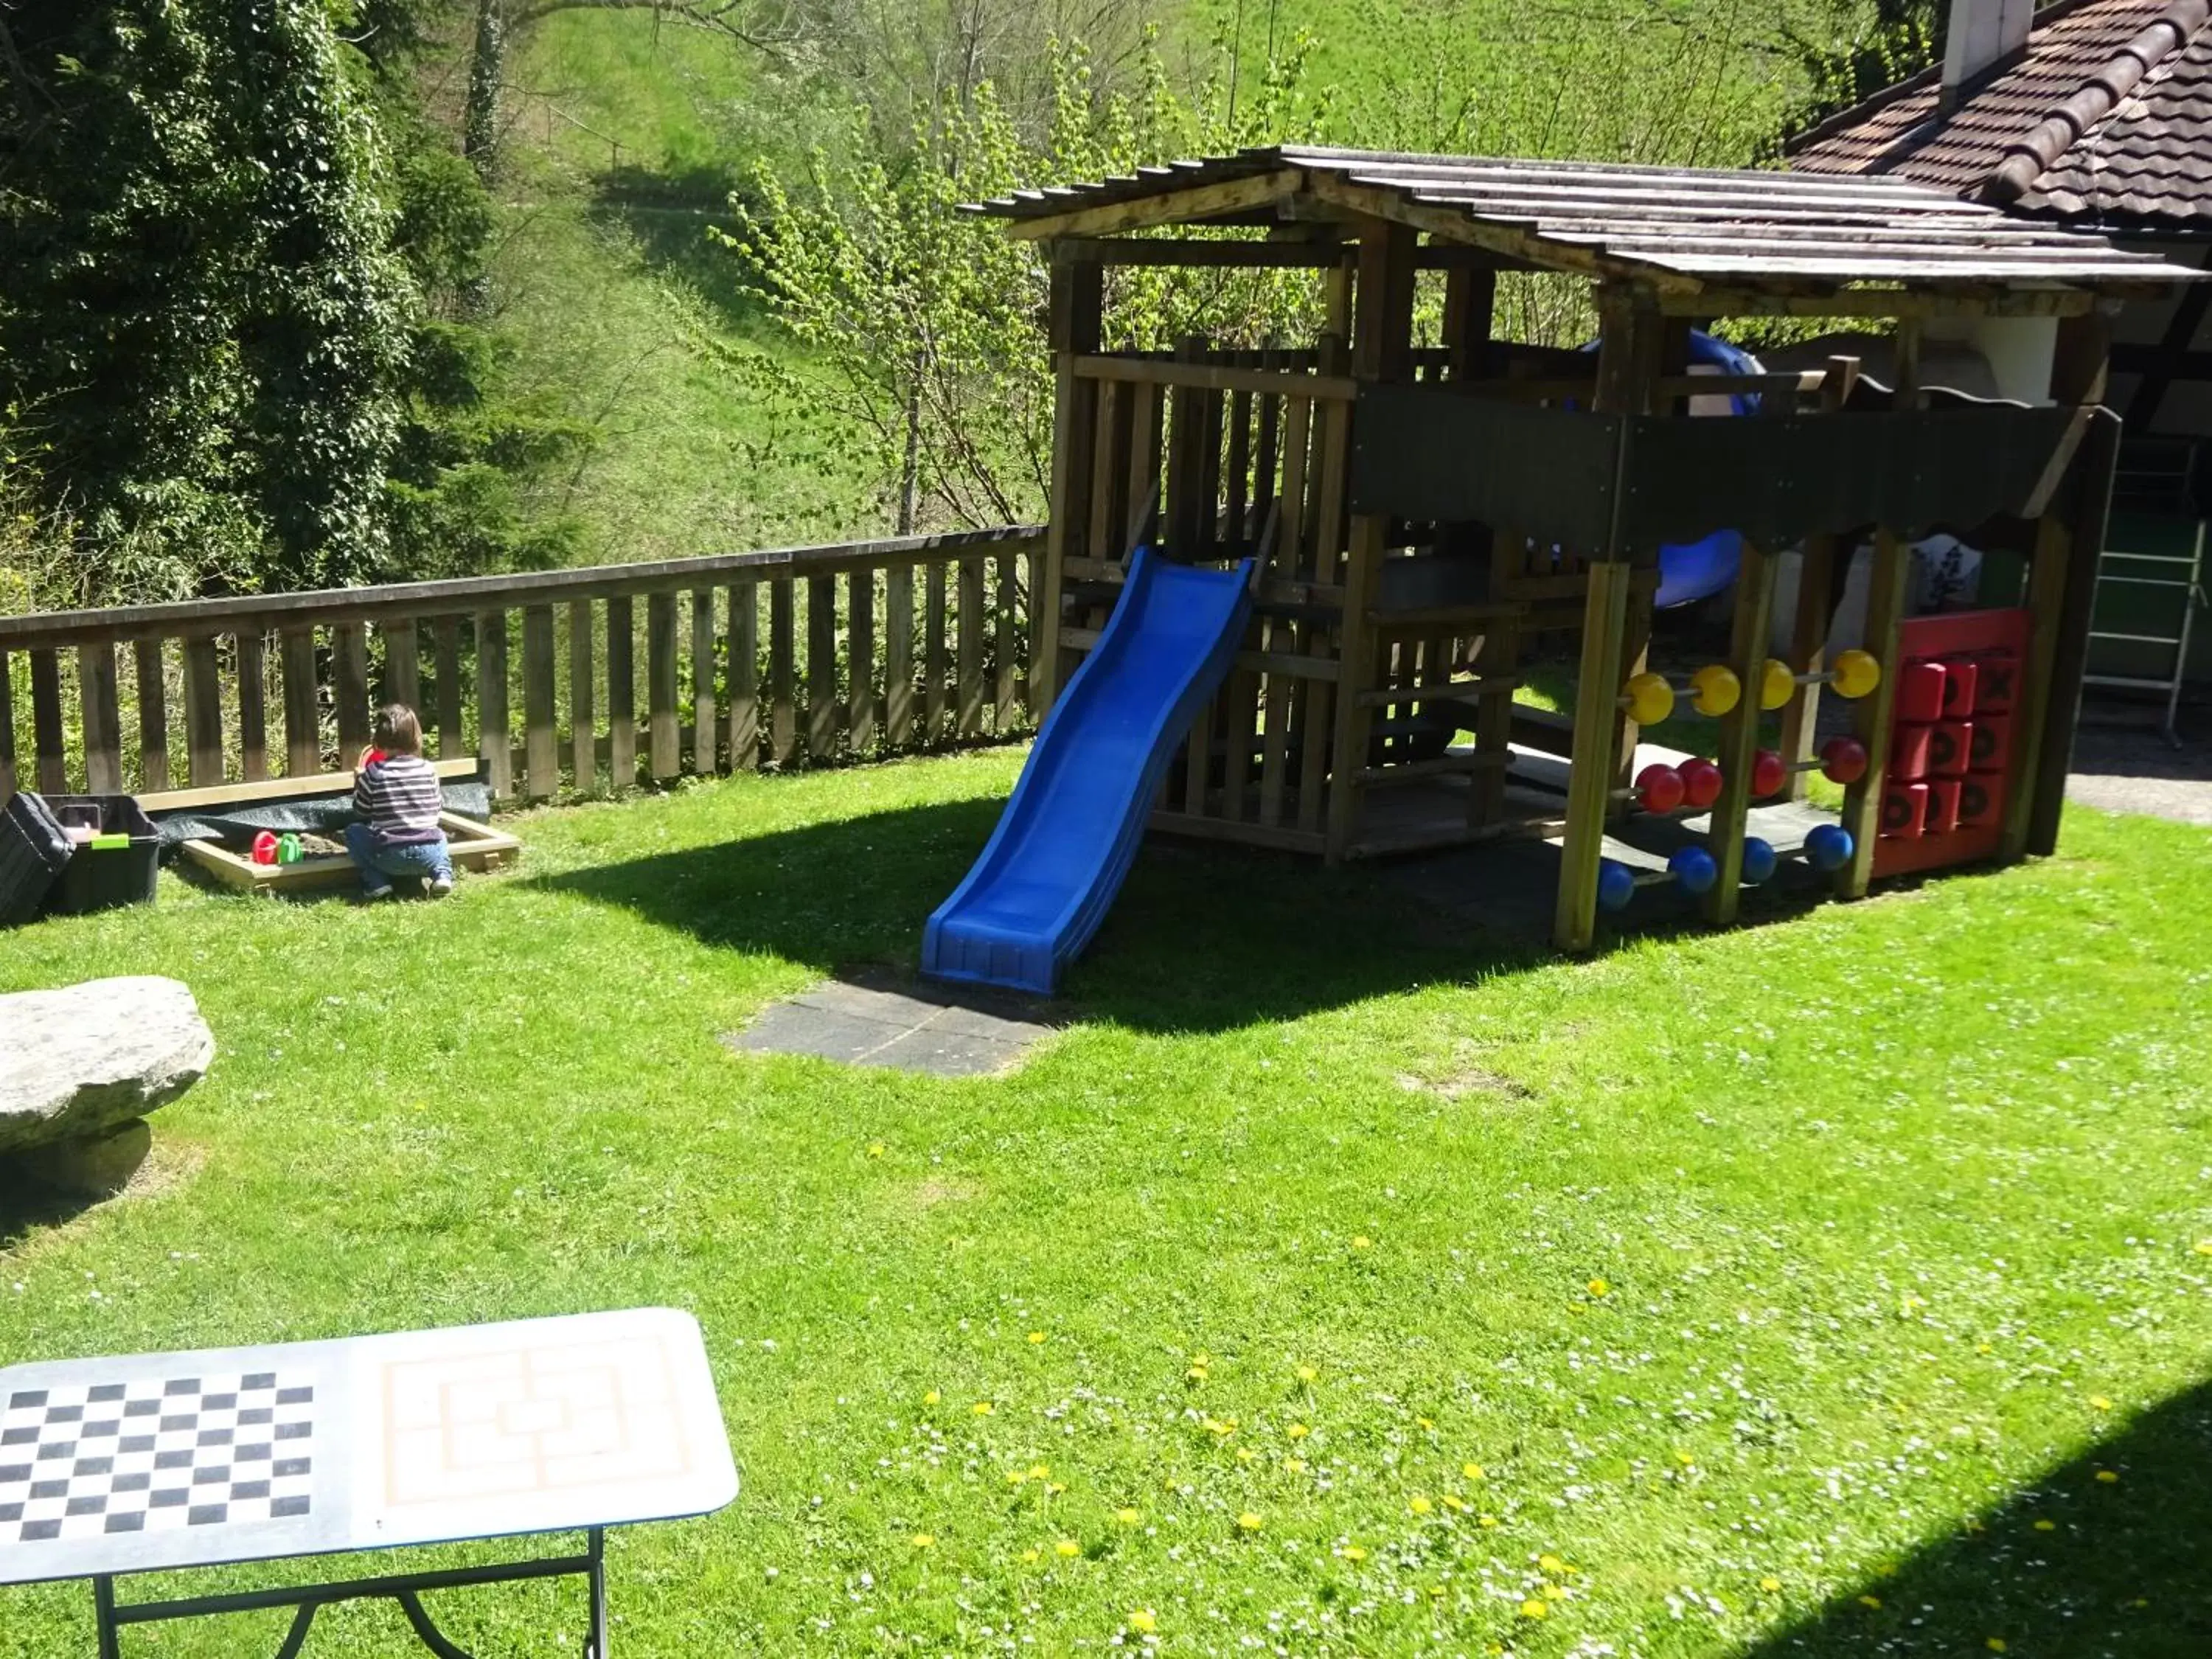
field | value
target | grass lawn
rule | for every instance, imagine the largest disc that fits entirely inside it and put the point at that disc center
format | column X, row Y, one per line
column 1335, row 1285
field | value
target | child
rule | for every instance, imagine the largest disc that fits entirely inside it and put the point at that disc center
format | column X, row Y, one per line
column 396, row 792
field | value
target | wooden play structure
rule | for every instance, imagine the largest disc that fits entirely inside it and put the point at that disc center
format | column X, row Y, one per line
column 1423, row 520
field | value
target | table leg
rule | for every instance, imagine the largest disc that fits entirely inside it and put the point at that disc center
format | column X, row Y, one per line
column 596, row 1553
column 103, row 1607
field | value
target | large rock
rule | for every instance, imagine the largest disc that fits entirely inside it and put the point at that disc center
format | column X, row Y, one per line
column 79, row 1063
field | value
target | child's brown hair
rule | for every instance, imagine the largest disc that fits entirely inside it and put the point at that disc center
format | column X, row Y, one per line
column 398, row 731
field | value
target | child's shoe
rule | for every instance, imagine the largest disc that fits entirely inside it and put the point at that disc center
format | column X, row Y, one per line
column 440, row 886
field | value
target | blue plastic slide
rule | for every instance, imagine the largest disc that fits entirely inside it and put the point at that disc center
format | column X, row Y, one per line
column 1070, row 831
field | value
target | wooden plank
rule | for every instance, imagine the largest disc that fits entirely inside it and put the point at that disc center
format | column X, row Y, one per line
column 1076, row 303
column 782, row 671
column 203, row 711
column 1108, row 469
column 898, row 656
column 350, row 687
column 102, row 718
column 1004, row 614
column 1754, row 594
column 703, row 734
column 583, row 734
column 744, row 676
column 1186, row 374
column 252, row 708
column 452, row 738
column 1191, row 254
column 974, row 619
column 1267, row 452
column 1239, row 728
column 152, row 686
column 46, row 725
column 1198, row 761
column 8, row 780
column 242, row 794
column 1872, row 717
column 1185, row 206
column 541, row 736
column 1147, row 415
column 1809, row 654
column 494, row 740
column 622, row 693
column 665, row 744
column 1500, row 664
column 1589, row 775
column 861, row 663
column 403, row 672
column 933, row 650
column 1332, row 447
column 822, row 668
column 2048, row 571
column 303, row 719
column 2043, row 777
column 1277, row 690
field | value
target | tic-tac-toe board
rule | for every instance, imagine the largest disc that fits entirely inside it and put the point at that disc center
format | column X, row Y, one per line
column 154, row 1460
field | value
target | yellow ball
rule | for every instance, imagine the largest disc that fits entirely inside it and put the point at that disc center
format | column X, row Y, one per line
column 1714, row 690
column 1650, row 699
column 1857, row 672
column 1776, row 684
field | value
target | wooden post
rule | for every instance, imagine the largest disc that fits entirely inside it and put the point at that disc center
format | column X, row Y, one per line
column 1754, row 592
column 152, row 715
column 1809, row 630
column 403, row 672
column 664, row 740
column 1382, row 324
column 303, row 728
column 702, row 682
column 253, row 706
column 861, row 663
column 972, row 619
column 349, row 689
column 898, row 653
column 821, row 667
column 1648, row 346
column 8, row 781
column 583, row 725
column 102, row 716
column 1862, row 815
column 782, row 719
column 1078, row 299
column 622, row 693
column 453, row 744
column 744, row 676
column 541, row 748
column 494, row 741
column 1589, row 775
column 203, row 711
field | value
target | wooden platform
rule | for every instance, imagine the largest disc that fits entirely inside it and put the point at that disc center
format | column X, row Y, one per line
column 475, row 846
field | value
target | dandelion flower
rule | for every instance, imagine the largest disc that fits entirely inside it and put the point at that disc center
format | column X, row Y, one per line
column 1246, row 1455
column 1015, row 1477
column 1030, row 1557
column 1144, row 1621
column 982, row 1409
column 1352, row 1552
column 1307, row 1373
column 1456, row 1505
column 1551, row 1564
column 1249, row 1520
column 1686, row 1460
column 1297, row 1431
column 2110, row 1477
column 1126, row 1516
column 1870, row 1602
column 1472, row 1471
column 1035, row 1337
column 1424, row 1423
column 922, row 1541
column 2098, row 1403
column 1039, row 1471
column 1598, row 1287
column 1770, row 1584
column 932, row 1398
column 1534, row 1608
column 1555, row 1592
column 1067, row 1547
column 1223, row 1426
column 1295, row 1465
column 1055, row 1487
column 1421, row 1506
column 2204, row 1247
column 875, row 1149
column 1196, row 1373
column 2046, row 1526
column 1995, row 1644
column 1487, row 1520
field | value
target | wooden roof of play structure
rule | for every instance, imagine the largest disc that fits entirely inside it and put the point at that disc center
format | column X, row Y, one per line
column 1705, row 241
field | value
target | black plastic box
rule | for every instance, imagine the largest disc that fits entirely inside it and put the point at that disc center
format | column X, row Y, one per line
column 101, row 878
column 33, row 852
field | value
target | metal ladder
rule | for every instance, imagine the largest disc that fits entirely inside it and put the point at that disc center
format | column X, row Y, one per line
column 2158, row 485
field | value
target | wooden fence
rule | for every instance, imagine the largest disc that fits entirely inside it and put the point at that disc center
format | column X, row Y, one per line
column 801, row 656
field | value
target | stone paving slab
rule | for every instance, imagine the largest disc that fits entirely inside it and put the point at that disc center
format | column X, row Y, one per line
column 934, row 1030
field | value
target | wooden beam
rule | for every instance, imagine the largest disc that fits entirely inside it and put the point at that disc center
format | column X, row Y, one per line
column 1192, row 205
column 1213, row 253
column 1808, row 633
column 1754, row 592
column 1589, row 775
column 1876, row 711
column 1724, row 300
column 1077, row 317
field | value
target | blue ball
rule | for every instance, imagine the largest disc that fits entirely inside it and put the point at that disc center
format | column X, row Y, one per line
column 1828, row 846
column 1758, row 859
column 1616, row 884
column 1693, row 869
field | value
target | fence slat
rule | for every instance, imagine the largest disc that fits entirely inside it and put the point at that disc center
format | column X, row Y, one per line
column 971, row 648
column 664, row 755
column 103, row 718
column 494, row 740
column 152, row 715
column 744, row 676
column 622, row 693
column 349, row 689
column 1002, row 712
column 403, row 670
column 452, row 742
column 703, row 681
column 898, row 655
column 583, row 735
column 253, row 706
column 203, row 712
column 822, row 667
column 933, row 655
column 303, row 728
column 47, row 723
column 541, row 746
column 8, row 784
column 861, row 657
column 783, row 724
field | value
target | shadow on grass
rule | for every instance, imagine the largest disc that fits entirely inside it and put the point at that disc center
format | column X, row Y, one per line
column 668, row 216
column 1201, row 939
column 2104, row 1557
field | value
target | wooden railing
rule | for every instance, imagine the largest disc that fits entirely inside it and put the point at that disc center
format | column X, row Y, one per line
column 805, row 655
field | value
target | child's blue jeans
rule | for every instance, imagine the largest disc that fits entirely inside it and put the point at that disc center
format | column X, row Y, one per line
column 378, row 863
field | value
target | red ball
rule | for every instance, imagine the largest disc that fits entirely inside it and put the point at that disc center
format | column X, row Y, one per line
column 1659, row 787
column 1701, row 782
column 1768, row 774
column 1843, row 760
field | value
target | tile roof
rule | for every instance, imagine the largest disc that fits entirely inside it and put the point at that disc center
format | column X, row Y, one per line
column 1680, row 228
column 2105, row 118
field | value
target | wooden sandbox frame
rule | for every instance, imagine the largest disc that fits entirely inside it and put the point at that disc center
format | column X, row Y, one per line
column 475, row 846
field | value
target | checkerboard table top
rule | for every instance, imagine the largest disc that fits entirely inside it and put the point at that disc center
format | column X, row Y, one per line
column 154, row 1460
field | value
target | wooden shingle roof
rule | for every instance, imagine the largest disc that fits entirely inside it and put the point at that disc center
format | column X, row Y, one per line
column 1678, row 229
column 2104, row 120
